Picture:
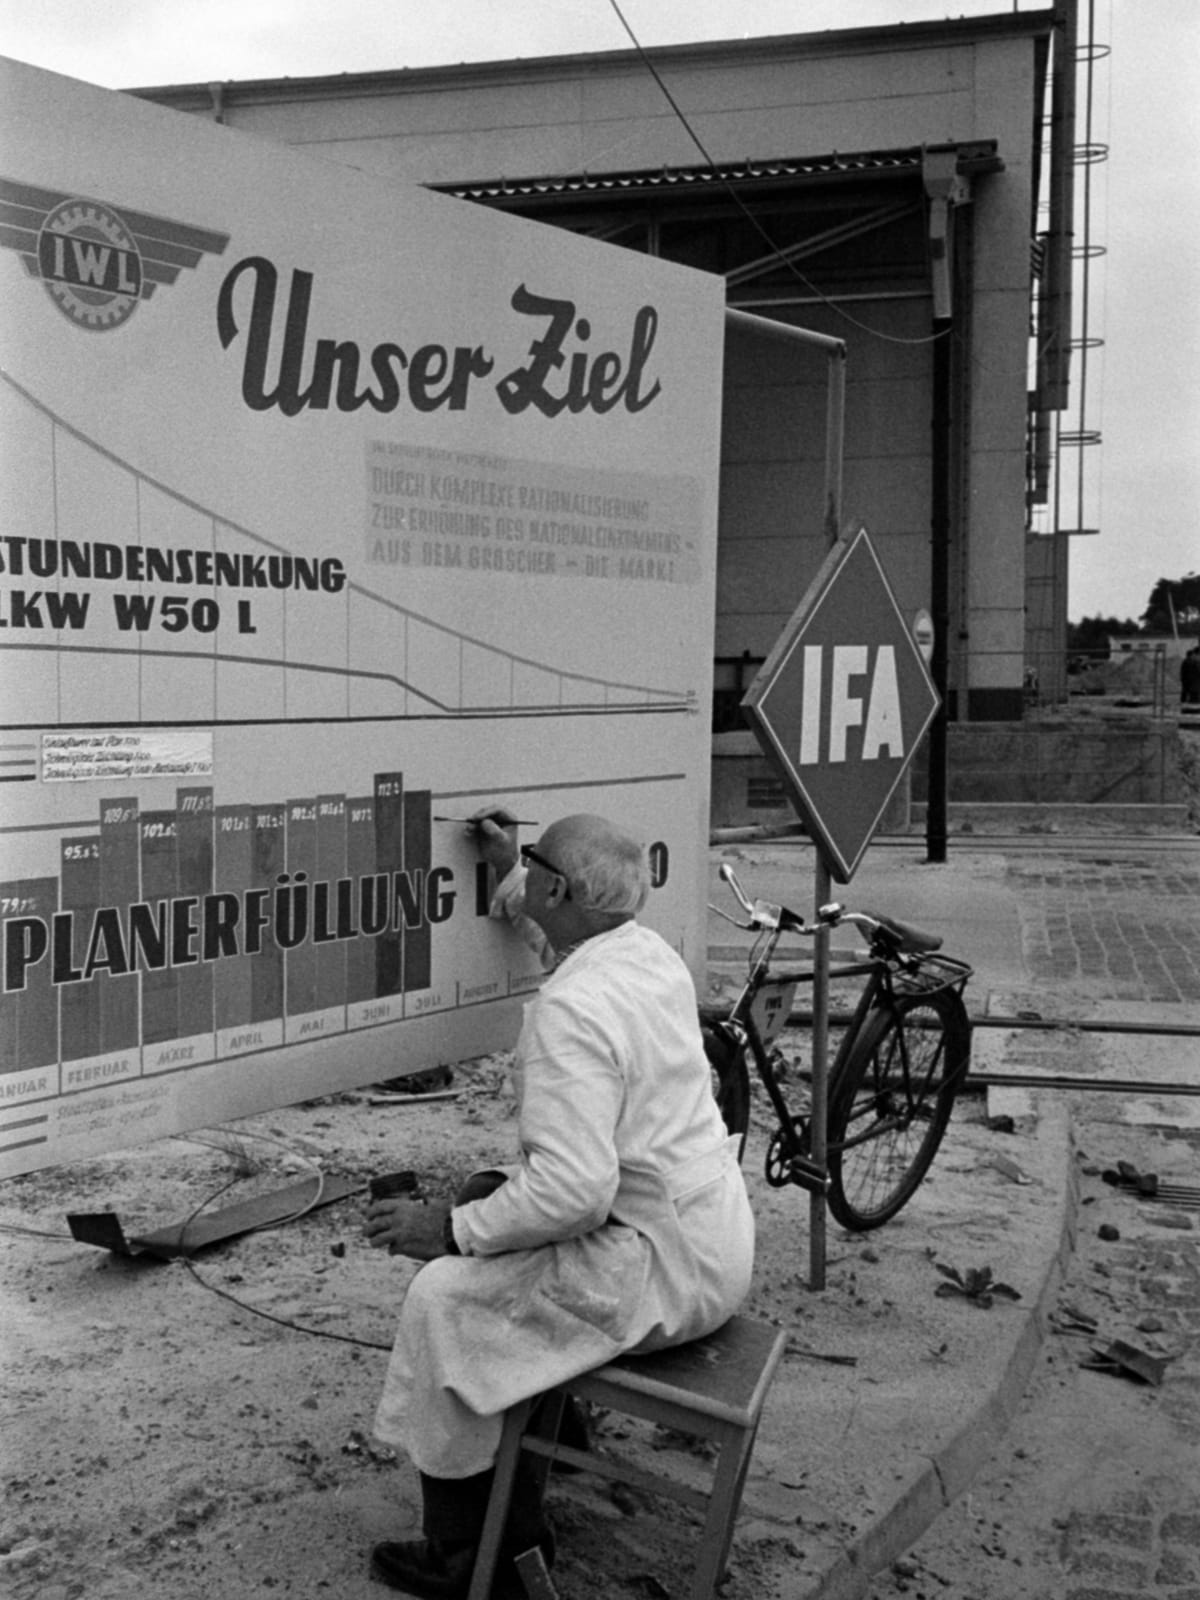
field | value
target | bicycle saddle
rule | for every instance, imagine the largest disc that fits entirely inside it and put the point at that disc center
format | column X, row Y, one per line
column 903, row 937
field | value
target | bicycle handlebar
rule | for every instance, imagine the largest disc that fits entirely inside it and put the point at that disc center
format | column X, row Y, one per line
column 765, row 916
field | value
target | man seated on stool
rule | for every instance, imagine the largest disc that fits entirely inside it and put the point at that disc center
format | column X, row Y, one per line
column 624, row 1225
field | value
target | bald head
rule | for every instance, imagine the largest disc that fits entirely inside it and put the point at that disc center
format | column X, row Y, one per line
column 604, row 865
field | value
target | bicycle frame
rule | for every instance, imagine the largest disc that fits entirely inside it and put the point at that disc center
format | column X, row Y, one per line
column 764, row 1005
column 762, row 1010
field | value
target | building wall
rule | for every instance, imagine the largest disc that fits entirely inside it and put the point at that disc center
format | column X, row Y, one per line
column 773, row 465
column 1046, row 563
column 1003, row 225
column 799, row 96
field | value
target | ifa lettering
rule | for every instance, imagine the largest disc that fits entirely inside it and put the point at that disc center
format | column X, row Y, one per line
column 560, row 375
column 847, row 687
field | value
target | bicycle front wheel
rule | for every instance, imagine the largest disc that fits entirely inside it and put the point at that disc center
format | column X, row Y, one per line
column 890, row 1103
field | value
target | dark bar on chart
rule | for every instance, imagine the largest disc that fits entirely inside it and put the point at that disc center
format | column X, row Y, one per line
column 120, row 887
column 29, row 1016
column 360, row 865
column 418, row 860
column 81, row 894
column 331, row 869
column 266, row 976
column 389, row 858
column 300, row 961
column 194, row 808
column 231, row 873
column 160, row 878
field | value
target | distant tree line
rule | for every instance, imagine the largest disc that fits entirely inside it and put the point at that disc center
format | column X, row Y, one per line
column 1173, row 606
column 1178, row 598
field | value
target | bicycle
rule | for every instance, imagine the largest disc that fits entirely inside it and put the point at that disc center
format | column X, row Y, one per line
column 901, row 1061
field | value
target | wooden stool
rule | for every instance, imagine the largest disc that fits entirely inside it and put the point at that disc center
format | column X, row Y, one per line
column 713, row 1388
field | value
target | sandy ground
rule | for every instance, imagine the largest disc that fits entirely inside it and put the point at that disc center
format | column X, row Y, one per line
column 179, row 1431
column 1092, row 1492
column 191, row 1429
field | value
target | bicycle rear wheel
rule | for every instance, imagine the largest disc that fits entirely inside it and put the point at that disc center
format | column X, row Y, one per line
column 890, row 1103
column 726, row 1051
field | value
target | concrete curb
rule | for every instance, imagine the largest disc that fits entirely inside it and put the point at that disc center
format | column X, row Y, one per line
column 955, row 1462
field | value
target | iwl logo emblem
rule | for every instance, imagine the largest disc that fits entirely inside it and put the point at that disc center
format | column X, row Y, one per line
column 97, row 263
column 90, row 263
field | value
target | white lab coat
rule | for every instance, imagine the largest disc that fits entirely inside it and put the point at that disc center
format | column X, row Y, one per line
column 625, row 1225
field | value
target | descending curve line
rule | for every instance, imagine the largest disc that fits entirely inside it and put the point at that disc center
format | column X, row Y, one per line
column 641, row 696
column 481, row 710
column 664, row 695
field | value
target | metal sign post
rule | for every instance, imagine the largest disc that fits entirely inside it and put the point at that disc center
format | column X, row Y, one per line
column 820, row 1084
column 835, row 353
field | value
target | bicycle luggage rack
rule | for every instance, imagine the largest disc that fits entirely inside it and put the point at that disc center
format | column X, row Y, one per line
column 936, row 974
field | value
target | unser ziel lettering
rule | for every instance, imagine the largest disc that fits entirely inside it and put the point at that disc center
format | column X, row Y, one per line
column 556, row 378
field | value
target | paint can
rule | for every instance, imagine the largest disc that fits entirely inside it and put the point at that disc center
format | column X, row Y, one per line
column 392, row 1184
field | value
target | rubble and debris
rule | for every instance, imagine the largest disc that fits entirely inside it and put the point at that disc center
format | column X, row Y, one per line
column 1118, row 1356
column 1008, row 1168
column 1149, row 1186
column 1070, row 1319
column 1127, row 1176
column 414, row 1083
column 794, row 1349
column 426, row 1097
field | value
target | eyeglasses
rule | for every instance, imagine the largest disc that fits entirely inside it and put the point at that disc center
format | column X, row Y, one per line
column 528, row 853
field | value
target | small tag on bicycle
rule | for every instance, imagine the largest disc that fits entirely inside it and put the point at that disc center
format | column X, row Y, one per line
column 767, row 914
column 772, row 1006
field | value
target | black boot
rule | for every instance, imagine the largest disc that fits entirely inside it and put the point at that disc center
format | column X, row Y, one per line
column 439, row 1566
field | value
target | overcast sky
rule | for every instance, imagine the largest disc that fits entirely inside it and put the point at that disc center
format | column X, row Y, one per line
column 1142, row 484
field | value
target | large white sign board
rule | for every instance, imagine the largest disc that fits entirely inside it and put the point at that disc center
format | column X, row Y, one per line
column 328, row 510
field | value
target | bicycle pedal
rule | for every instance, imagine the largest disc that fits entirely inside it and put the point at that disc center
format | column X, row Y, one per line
column 784, row 1150
column 806, row 1174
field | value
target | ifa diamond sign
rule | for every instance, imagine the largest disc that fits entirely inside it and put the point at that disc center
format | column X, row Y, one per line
column 842, row 702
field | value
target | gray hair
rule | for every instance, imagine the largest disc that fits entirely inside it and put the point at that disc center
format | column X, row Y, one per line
column 608, row 875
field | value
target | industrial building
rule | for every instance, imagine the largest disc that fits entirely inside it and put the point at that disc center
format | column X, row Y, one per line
column 907, row 189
